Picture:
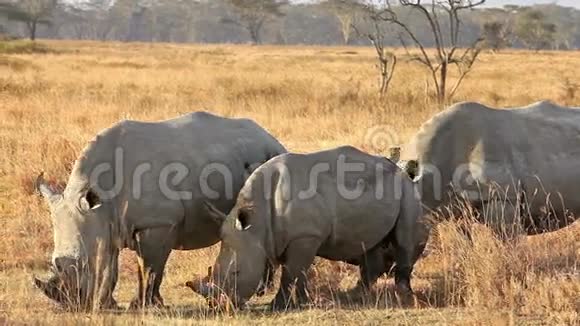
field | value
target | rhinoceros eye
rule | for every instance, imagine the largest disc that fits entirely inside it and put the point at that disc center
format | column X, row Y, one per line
column 90, row 200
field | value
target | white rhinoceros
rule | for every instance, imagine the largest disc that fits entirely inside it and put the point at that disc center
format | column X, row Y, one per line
column 339, row 204
column 142, row 185
column 519, row 167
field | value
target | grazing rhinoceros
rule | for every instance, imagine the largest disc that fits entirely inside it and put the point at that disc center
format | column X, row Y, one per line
column 340, row 204
column 142, row 185
column 520, row 168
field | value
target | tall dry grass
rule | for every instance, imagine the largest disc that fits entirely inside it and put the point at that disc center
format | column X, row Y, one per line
column 53, row 102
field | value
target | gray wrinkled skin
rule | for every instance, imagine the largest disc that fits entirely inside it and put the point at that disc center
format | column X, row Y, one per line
column 91, row 227
column 518, row 167
column 272, row 224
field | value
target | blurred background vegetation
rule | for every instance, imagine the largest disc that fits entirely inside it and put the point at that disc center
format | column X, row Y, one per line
column 327, row 22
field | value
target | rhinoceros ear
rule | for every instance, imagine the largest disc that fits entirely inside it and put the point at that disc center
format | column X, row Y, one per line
column 214, row 213
column 45, row 191
column 412, row 169
column 243, row 221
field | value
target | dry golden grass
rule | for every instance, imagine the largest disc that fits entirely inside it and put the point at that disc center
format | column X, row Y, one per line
column 311, row 98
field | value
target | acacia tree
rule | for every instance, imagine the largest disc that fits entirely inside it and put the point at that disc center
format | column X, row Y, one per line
column 446, row 38
column 372, row 27
column 252, row 14
column 533, row 29
column 496, row 34
column 30, row 12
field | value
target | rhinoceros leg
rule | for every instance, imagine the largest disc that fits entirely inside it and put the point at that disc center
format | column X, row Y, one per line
column 109, row 302
column 298, row 257
column 267, row 281
column 407, row 237
column 503, row 218
column 153, row 249
column 372, row 266
column 405, row 252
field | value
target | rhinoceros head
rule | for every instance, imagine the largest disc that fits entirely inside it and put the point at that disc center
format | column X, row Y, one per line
column 83, row 259
column 242, row 261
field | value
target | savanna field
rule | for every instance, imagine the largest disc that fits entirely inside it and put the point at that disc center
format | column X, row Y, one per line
column 55, row 96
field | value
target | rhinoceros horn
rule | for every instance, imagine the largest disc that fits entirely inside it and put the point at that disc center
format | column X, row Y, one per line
column 201, row 287
column 49, row 288
column 209, row 290
column 41, row 284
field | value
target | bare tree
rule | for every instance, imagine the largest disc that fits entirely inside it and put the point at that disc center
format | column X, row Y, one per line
column 100, row 17
column 252, row 14
column 78, row 20
column 89, row 19
column 374, row 28
column 344, row 11
column 31, row 12
column 447, row 50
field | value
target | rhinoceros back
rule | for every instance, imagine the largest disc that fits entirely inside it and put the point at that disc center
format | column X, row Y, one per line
column 532, row 150
column 167, row 169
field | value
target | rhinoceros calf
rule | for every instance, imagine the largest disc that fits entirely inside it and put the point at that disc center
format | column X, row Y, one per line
column 340, row 204
column 141, row 185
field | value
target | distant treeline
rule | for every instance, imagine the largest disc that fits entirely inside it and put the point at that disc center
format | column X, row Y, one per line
column 326, row 22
